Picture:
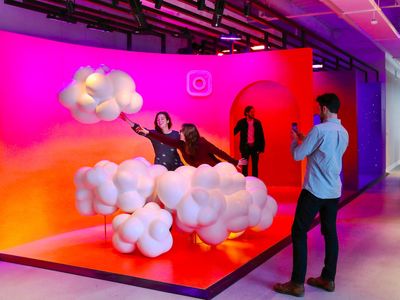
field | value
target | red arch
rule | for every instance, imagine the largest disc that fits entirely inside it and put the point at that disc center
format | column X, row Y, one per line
column 276, row 108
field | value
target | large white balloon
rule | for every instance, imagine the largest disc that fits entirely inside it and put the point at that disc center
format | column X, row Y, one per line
column 122, row 246
column 205, row 176
column 135, row 104
column 130, row 201
column 87, row 103
column 122, row 81
column 84, row 117
column 107, row 193
column 83, row 73
column 126, row 180
column 68, row 96
column 147, row 229
column 171, row 188
column 108, row 110
column 99, row 87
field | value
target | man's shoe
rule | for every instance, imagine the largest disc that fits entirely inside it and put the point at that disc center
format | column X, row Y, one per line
column 290, row 288
column 319, row 282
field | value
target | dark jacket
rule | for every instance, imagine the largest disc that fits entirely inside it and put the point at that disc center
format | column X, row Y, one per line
column 259, row 141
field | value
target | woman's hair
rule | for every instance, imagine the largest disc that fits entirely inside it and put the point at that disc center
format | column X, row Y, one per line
column 169, row 121
column 191, row 138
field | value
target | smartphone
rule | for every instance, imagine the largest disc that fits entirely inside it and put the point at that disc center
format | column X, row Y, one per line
column 294, row 127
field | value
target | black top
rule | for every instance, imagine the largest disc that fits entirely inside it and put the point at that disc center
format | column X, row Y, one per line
column 164, row 154
column 242, row 127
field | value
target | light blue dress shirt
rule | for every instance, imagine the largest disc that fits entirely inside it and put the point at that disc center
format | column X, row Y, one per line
column 324, row 147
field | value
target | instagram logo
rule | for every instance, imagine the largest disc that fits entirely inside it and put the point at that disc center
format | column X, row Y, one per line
column 198, row 83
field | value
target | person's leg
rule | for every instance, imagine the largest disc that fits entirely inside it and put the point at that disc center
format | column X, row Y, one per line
column 254, row 162
column 307, row 208
column 328, row 214
column 245, row 168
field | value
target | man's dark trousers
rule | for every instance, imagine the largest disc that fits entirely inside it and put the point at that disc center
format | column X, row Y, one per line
column 251, row 152
column 307, row 208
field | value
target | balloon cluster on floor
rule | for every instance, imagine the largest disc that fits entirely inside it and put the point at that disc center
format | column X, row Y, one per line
column 95, row 95
column 210, row 201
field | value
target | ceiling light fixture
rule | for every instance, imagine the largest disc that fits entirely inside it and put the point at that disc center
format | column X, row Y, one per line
column 137, row 12
column 257, row 47
column 374, row 20
column 201, row 4
column 247, row 7
column 70, row 6
column 99, row 27
column 158, row 3
column 62, row 18
column 228, row 50
column 230, row 37
column 317, row 66
column 218, row 12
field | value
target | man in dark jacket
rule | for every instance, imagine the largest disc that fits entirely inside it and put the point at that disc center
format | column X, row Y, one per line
column 251, row 139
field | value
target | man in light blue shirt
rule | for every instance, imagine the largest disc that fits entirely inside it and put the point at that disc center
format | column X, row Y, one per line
column 324, row 147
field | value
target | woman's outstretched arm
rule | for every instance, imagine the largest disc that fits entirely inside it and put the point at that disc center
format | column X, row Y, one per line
column 174, row 143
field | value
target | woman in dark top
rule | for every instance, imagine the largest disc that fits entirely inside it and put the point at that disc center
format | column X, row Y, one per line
column 195, row 149
column 164, row 154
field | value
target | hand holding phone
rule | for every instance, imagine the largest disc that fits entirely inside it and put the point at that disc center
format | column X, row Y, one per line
column 296, row 133
column 295, row 128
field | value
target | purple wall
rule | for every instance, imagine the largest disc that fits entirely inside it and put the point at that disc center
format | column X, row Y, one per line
column 371, row 134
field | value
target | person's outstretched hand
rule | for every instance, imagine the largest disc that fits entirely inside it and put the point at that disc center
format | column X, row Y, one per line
column 242, row 162
column 140, row 130
column 123, row 116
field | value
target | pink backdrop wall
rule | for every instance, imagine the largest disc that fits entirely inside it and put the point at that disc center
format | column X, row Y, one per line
column 42, row 146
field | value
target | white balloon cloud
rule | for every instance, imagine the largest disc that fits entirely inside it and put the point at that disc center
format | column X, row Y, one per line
column 215, row 201
column 95, row 95
column 146, row 229
column 108, row 187
column 211, row 201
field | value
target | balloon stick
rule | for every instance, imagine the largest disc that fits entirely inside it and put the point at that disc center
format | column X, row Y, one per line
column 105, row 229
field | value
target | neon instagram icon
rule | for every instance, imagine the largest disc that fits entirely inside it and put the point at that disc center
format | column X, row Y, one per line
column 198, row 83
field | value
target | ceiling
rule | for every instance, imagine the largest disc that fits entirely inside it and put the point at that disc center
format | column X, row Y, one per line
column 333, row 28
